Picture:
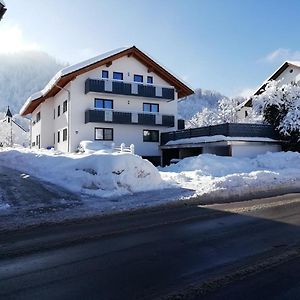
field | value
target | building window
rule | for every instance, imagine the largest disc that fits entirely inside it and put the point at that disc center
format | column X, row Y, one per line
column 65, row 106
column 105, row 74
column 150, row 79
column 38, row 116
column 54, row 113
column 104, row 134
column 58, row 110
column 138, row 78
column 103, row 103
column 118, row 75
column 58, row 136
column 151, row 136
column 151, row 107
column 246, row 114
column 54, row 138
column 65, row 134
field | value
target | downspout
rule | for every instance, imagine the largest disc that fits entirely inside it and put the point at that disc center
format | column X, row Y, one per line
column 68, row 109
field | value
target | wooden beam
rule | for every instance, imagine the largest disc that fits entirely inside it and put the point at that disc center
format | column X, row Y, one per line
column 129, row 54
column 150, row 69
column 109, row 64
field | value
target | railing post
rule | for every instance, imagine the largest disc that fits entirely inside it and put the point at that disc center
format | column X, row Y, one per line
column 122, row 147
column 132, row 149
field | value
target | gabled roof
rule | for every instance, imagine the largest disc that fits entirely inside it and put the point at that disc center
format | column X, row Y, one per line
column 276, row 74
column 67, row 74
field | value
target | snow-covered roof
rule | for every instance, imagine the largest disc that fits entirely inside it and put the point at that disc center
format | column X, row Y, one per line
column 218, row 138
column 66, row 71
column 182, row 86
column 275, row 75
column 2, row 2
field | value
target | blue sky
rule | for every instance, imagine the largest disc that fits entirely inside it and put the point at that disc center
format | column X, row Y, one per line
column 229, row 46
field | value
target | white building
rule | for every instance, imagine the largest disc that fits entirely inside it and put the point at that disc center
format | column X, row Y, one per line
column 123, row 96
column 11, row 132
column 288, row 72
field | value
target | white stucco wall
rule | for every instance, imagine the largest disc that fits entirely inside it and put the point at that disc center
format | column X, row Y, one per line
column 287, row 76
column 252, row 149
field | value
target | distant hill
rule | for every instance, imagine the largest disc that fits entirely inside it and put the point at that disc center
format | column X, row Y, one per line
column 22, row 74
column 189, row 106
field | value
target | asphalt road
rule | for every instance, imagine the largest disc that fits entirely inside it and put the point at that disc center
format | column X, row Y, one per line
column 214, row 252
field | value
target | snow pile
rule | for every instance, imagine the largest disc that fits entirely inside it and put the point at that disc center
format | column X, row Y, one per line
column 99, row 174
column 229, row 176
column 89, row 147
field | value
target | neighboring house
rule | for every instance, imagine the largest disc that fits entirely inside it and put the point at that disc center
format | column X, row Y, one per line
column 2, row 9
column 11, row 132
column 122, row 96
column 288, row 72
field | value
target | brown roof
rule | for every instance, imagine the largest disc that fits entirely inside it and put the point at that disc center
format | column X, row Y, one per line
column 182, row 89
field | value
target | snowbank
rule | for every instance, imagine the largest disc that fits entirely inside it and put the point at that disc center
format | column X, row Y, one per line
column 229, row 176
column 100, row 174
column 89, row 147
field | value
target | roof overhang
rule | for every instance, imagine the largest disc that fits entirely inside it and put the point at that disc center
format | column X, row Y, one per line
column 2, row 9
column 60, row 80
column 275, row 75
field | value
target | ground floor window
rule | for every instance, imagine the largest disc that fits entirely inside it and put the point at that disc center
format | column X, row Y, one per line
column 65, row 134
column 150, row 135
column 58, row 136
column 104, row 134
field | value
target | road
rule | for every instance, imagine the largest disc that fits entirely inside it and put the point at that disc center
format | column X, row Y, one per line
column 223, row 251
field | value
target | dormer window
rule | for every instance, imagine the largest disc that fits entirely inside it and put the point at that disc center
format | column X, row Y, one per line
column 105, row 74
column 138, row 78
column 118, row 75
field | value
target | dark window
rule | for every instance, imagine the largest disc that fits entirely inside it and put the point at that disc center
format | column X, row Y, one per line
column 54, row 113
column 104, row 74
column 118, row 75
column 58, row 136
column 8, row 120
column 103, row 103
column 150, row 107
column 38, row 116
column 150, row 79
column 58, row 110
column 138, row 78
column 246, row 114
column 151, row 136
column 104, row 134
column 33, row 144
column 54, row 138
column 65, row 134
column 65, row 106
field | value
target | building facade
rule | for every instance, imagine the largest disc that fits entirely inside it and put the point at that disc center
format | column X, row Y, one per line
column 123, row 96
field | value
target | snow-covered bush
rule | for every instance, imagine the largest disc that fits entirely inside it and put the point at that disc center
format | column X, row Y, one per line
column 280, row 106
column 226, row 112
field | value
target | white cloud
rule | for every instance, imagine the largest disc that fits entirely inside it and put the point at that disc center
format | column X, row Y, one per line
column 282, row 54
column 13, row 40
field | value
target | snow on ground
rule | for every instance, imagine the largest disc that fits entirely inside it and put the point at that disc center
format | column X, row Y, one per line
column 98, row 173
column 225, row 177
column 104, row 182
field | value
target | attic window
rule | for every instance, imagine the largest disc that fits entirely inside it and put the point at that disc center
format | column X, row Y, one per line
column 291, row 70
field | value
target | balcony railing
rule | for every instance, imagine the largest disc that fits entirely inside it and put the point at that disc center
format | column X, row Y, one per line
column 117, row 117
column 228, row 129
column 129, row 88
